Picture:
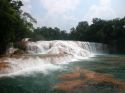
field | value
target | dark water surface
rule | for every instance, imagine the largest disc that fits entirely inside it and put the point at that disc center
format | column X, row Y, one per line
column 43, row 83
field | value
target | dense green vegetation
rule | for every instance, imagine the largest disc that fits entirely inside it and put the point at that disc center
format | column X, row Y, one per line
column 13, row 23
column 111, row 32
column 48, row 33
column 14, row 26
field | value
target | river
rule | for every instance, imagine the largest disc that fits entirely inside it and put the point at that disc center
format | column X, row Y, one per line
column 44, row 81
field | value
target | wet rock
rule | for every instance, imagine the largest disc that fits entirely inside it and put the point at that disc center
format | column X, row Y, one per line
column 18, row 52
column 4, row 66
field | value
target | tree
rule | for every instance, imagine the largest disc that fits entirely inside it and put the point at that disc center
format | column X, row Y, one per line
column 111, row 32
column 12, row 26
column 8, row 19
column 79, row 33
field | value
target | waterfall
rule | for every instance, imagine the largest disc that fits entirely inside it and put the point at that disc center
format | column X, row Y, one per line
column 83, row 49
column 49, row 55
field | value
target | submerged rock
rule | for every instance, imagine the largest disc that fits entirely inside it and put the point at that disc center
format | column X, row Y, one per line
column 68, row 86
column 85, row 81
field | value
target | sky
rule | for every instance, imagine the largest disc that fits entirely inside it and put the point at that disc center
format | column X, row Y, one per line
column 66, row 14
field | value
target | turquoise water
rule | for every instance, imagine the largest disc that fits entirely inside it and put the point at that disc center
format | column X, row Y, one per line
column 37, row 82
column 107, row 64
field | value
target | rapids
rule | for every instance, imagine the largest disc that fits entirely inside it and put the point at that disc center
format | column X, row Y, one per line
column 49, row 55
column 68, row 66
column 75, row 48
column 99, row 74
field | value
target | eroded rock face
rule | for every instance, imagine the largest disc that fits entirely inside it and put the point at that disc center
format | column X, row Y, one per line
column 85, row 81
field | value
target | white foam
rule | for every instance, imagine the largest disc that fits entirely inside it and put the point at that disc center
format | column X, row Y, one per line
column 29, row 66
column 71, row 51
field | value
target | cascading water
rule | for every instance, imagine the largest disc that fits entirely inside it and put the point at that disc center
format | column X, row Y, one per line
column 46, row 69
column 50, row 54
column 84, row 49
